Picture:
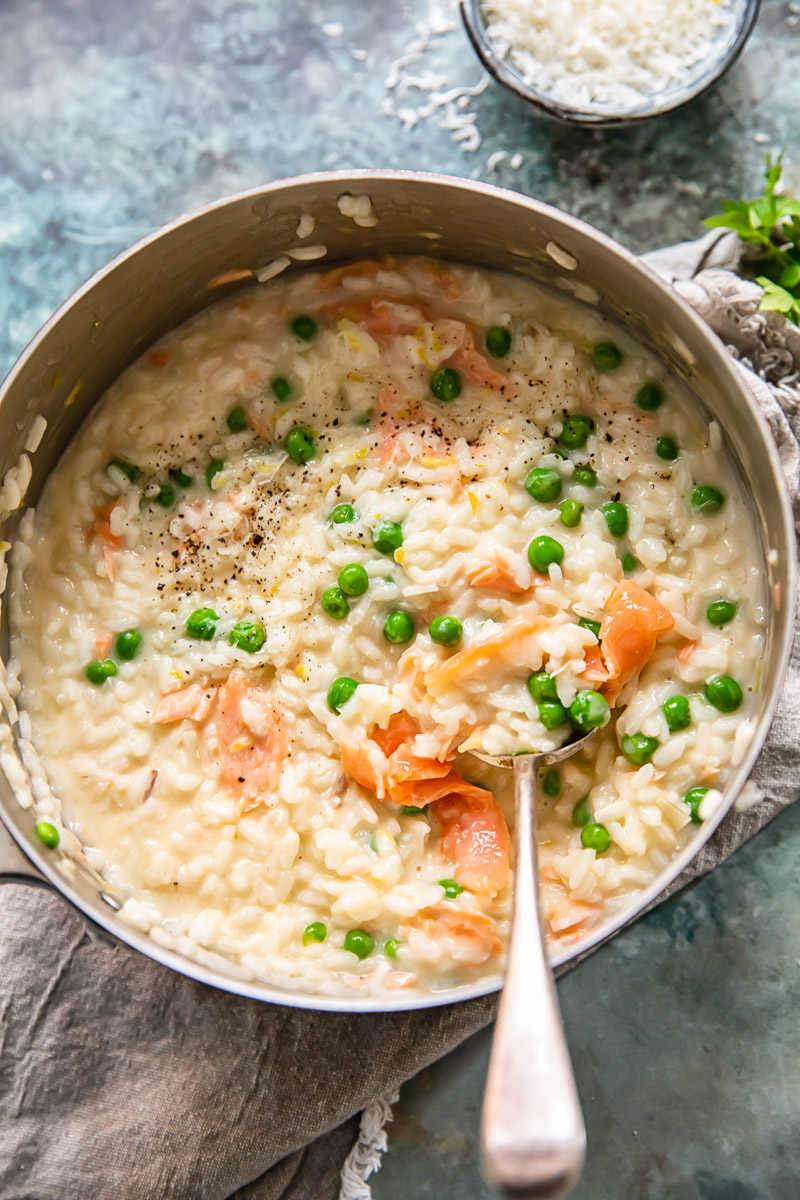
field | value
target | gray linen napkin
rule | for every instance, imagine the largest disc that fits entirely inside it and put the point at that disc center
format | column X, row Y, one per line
column 119, row 1078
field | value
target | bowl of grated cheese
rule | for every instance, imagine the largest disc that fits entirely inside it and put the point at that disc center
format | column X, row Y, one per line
column 610, row 62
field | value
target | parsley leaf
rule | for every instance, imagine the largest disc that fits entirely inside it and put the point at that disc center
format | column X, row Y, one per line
column 778, row 299
column 771, row 221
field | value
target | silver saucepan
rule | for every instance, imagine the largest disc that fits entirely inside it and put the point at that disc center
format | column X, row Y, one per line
column 200, row 258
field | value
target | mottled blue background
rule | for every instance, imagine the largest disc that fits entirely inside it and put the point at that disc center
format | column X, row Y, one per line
column 117, row 117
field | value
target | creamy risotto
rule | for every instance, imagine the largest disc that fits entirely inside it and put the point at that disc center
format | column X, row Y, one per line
column 321, row 542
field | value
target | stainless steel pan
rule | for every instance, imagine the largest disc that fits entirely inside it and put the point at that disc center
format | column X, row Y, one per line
column 165, row 278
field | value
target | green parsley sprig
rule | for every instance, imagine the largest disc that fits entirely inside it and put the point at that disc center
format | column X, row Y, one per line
column 772, row 223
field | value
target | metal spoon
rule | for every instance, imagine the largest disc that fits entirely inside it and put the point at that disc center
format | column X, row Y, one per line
column 533, row 1136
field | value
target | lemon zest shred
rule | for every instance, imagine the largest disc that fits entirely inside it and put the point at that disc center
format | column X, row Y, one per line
column 70, row 400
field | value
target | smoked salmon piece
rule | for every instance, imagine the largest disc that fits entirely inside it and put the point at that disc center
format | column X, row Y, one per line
column 385, row 763
column 365, row 762
column 102, row 643
column 498, row 574
column 191, row 703
column 509, row 646
column 399, row 979
column 596, row 670
column 476, row 930
column 475, row 839
column 475, row 366
column 474, row 832
column 629, row 631
column 251, row 736
column 401, row 728
column 572, row 918
column 109, row 541
column 425, row 781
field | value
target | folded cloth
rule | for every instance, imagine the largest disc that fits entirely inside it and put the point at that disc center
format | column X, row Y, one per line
column 119, row 1078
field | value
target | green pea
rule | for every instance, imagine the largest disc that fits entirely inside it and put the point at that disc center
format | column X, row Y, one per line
column 451, row 888
column 412, row 810
column 280, row 388
column 582, row 812
column 543, row 485
column 130, row 472
column 237, row 419
column 202, row 624
column 629, row 562
column 342, row 514
column 543, row 551
column 667, row 448
column 585, row 476
column 99, row 672
column 398, row 628
column 616, row 515
column 165, row 496
column 334, row 602
column 445, row 384
column 359, row 942
column 300, row 444
column 498, row 341
column 693, row 799
column 340, row 692
column 724, row 693
column 720, row 612
column 353, row 579
column 638, row 748
column 542, row 687
column 180, row 478
column 213, row 468
column 391, row 946
column 707, row 499
column 127, row 644
column 576, row 430
column 304, row 327
column 569, row 513
column 606, row 356
column 595, row 837
column 593, row 626
column 48, row 834
column 650, row 396
column 247, row 635
column 589, row 710
column 551, row 782
column 552, row 714
column 677, row 713
column 315, row 932
column 446, row 631
column 387, row 537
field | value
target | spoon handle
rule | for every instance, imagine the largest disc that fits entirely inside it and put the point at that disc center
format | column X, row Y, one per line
column 533, row 1136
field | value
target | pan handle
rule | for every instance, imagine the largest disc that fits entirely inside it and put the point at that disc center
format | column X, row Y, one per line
column 15, row 866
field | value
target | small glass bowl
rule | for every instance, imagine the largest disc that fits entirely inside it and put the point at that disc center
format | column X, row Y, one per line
column 703, row 76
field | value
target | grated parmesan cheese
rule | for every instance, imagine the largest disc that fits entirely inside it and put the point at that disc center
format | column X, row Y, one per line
column 613, row 53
